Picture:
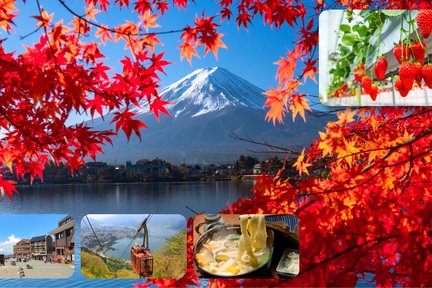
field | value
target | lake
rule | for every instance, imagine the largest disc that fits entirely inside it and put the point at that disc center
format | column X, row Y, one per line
column 130, row 198
column 157, row 237
column 140, row 198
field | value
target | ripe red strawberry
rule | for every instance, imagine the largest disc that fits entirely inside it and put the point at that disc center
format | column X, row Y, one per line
column 427, row 74
column 380, row 68
column 419, row 77
column 374, row 92
column 407, row 74
column 418, row 49
column 400, row 87
column 366, row 84
column 345, row 86
column 424, row 22
column 358, row 76
column 402, row 50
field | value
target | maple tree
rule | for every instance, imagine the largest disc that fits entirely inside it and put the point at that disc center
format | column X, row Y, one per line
column 369, row 218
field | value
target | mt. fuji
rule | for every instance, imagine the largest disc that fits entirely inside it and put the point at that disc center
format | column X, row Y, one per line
column 208, row 90
column 208, row 106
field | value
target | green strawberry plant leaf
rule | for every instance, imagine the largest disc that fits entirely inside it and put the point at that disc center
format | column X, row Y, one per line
column 393, row 13
column 345, row 28
column 349, row 39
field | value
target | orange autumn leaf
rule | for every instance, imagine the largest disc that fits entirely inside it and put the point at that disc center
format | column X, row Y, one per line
column 90, row 12
column 310, row 70
column 347, row 116
column 7, row 14
column 276, row 104
column 149, row 20
column 301, row 165
column 298, row 105
column 103, row 33
column 287, row 65
column 215, row 45
column 44, row 18
column 187, row 51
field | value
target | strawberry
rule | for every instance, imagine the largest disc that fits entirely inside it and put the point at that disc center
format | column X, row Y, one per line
column 358, row 76
column 380, row 68
column 424, row 22
column 418, row 76
column 374, row 92
column 366, row 84
column 402, row 50
column 418, row 50
column 400, row 87
column 359, row 67
column 407, row 74
column 344, row 87
column 427, row 74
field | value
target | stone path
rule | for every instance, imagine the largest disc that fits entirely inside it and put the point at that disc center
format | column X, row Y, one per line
column 39, row 270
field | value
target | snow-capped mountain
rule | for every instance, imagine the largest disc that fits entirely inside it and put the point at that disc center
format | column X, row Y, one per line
column 209, row 106
column 208, row 90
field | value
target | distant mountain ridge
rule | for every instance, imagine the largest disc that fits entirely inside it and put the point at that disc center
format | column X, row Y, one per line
column 209, row 106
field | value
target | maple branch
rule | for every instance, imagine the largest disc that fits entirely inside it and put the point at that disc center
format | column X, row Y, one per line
column 313, row 201
column 380, row 239
column 10, row 64
column 351, row 268
column 264, row 143
column 394, row 121
column 389, row 150
column 63, row 3
column 349, row 187
column 29, row 34
column 3, row 113
column 395, row 148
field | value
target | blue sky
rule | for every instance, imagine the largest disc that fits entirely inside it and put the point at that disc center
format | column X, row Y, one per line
column 24, row 226
column 133, row 219
column 250, row 54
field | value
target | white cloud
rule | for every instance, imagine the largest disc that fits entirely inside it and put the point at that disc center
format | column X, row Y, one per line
column 100, row 216
column 6, row 247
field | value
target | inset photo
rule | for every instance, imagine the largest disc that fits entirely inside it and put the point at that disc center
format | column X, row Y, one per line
column 375, row 58
column 36, row 246
column 133, row 246
column 246, row 246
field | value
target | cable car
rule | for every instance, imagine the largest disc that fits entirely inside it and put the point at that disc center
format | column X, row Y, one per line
column 142, row 260
column 141, row 257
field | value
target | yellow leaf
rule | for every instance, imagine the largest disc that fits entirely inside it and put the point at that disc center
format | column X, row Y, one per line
column 301, row 165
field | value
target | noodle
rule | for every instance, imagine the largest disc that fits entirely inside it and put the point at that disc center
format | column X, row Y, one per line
column 232, row 255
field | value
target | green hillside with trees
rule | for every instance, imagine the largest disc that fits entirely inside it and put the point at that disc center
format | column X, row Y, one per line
column 168, row 262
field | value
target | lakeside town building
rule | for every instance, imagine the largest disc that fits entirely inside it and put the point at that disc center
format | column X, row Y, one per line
column 22, row 249
column 64, row 240
column 41, row 247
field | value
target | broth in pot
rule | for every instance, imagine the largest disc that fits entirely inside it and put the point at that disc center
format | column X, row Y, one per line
column 235, row 254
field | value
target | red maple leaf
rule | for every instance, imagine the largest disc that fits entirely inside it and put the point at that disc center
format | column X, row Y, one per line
column 158, row 105
column 125, row 121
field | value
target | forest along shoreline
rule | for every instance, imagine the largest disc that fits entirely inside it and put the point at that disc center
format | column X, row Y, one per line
column 157, row 170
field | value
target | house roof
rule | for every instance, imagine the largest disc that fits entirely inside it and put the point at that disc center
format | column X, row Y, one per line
column 62, row 228
column 63, row 219
column 23, row 241
column 38, row 238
